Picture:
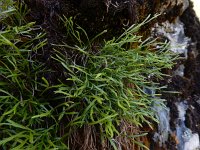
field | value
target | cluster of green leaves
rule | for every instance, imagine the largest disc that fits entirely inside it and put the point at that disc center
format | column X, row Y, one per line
column 108, row 85
column 101, row 84
column 24, row 111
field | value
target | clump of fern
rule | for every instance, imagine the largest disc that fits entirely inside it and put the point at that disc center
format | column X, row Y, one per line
column 107, row 84
column 26, row 121
column 101, row 84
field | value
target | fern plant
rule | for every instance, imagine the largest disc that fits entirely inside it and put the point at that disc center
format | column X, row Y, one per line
column 107, row 84
column 101, row 84
column 24, row 112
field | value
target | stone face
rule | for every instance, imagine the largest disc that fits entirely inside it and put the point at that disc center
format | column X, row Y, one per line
column 188, row 84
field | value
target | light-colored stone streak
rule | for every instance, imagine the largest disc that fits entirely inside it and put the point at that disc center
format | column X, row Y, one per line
column 197, row 7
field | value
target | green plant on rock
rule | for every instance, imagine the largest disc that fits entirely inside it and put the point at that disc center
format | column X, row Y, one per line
column 24, row 112
column 107, row 84
column 101, row 84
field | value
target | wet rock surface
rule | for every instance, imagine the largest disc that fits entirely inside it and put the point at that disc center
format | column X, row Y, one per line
column 187, row 85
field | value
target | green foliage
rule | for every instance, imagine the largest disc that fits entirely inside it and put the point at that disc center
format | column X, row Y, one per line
column 107, row 85
column 6, row 8
column 102, row 83
column 23, row 109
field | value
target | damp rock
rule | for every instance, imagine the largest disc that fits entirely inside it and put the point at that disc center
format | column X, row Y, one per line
column 174, row 32
column 180, row 71
column 192, row 143
column 186, row 139
column 162, row 114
